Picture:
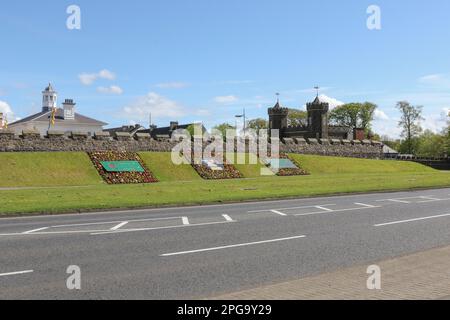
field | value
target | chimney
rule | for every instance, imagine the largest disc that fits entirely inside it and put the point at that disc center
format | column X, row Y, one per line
column 69, row 109
column 173, row 125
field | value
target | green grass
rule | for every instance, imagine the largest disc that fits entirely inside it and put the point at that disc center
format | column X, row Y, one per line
column 248, row 170
column 67, row 199
column 334, row 165
column 328, row 176
column 160, row 164
column 45, row 169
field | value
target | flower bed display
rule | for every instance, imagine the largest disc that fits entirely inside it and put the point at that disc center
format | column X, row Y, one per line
column 130, row 176
column 285, row 172
column 227, row 171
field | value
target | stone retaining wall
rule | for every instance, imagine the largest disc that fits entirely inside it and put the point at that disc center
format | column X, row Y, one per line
column 31, row 141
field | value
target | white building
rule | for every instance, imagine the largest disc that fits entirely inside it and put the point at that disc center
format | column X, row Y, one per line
column 66, row 118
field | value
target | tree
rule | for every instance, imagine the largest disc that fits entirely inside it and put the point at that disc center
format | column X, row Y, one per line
column 410, row 124
column 354, row 115
column 446, row 134
column 297, row 118
column 196, row 128
column 258, row 124
column 222, row 128
column 431, row 145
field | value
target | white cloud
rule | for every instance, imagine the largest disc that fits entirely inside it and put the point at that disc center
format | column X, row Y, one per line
column 110, row 90
column 380, row 115
column 172, row 85
column 331, row 101
column 7, row 111
column 226, row 99
column 155, row 104
column 437, row 80
column 89, row 78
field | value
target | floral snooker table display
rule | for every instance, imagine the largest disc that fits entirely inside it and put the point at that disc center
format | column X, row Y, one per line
column 121, row 168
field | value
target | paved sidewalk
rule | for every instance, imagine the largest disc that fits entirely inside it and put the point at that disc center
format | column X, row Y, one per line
column 424, row 275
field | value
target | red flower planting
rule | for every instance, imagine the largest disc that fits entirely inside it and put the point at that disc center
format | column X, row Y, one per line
column 121, row 177
column 229, row 172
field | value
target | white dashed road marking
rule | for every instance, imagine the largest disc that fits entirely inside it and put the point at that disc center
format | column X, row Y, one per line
column 35, row 230
column 412, row 220
column 279, row 213
column 230, row 246
column 15, row 273
column 227, row 218
column 120, row 225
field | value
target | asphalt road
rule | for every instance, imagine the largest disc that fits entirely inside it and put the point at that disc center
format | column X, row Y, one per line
column 200, row 252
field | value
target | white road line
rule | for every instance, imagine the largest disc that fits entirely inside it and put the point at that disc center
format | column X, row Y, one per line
column 429, row 199
column 227, row 218
column 185, row 221
column 290, row 208
column 103, row 232
column 50, row 233
column 120, row 225
column 230, row 246
column 412, row 220
column 365, row 205
column 35, row 230
column 15, row 273
column 399, row 201
column 333, row 211
column 279, row 213
column 323, row 208
column 113, row 222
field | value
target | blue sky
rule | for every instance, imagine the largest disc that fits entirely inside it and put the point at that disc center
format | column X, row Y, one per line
column 208, row 59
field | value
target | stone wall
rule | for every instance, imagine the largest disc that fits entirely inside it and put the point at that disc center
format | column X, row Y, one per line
column 31, row 141
column 334, row 147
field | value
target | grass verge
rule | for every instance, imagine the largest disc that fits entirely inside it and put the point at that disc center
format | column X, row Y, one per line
column 88, row 198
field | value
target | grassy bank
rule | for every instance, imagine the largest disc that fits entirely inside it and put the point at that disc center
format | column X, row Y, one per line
column 328, row 176
column 67, row 199
column 47, row 169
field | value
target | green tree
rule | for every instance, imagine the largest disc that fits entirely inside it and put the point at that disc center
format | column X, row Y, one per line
column 196, row 128
column 430, row 144
column 410, row 124
column 354, row 115
column 224, row 127
column 297, row 118
column 258, row 124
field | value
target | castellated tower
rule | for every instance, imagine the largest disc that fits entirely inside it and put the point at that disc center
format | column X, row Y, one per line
column 278, row 118
column 318, row 118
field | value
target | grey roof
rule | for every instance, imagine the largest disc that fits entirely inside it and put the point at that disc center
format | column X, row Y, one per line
column 389, row 150
column 166, row 131
column 130, row 129
column 44, row 116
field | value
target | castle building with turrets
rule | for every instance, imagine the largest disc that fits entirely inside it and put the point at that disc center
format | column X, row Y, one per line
column 318, row 126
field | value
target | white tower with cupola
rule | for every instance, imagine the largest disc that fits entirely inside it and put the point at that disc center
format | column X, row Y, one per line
column 49, row 99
